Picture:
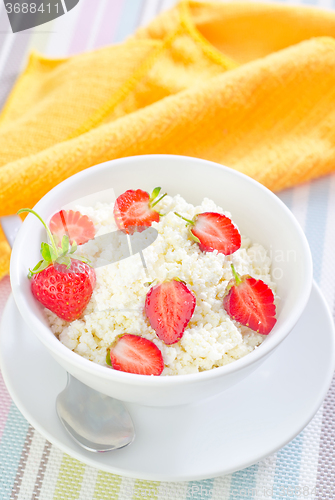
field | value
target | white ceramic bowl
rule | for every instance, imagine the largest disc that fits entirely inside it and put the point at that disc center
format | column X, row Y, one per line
column 258, row 213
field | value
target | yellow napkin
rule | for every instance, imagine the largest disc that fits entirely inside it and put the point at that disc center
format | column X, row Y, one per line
column 251, row 86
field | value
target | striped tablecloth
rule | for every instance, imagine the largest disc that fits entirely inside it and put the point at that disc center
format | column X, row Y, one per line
column 30, row 467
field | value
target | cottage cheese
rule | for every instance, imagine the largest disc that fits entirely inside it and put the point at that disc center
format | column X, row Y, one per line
column 211, row 338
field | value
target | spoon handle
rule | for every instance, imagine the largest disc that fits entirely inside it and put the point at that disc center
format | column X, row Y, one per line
column 97, row 422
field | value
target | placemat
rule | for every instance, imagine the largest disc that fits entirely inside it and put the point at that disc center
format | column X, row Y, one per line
column 30, row 467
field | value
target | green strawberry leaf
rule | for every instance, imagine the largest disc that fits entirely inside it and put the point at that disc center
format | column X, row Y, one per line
column 194, row 238
column 157, row 201
column 108, row 358
column 40, row 266
column 32, row 271
column 65, row 244
column 65, row 260
column 178, row 279
column 149, row 283
column 54, row 254
column 83, row 259
column 155, row 193
column 43, row 266
column 56, row 239
column 73, row 247
column 46, row 251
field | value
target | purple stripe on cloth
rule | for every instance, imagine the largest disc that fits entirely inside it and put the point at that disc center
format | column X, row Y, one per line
column 109, row 23
column 5, row 27
column 5, row 290
column 5, row 402
column 83, row 27
column 18, row 52
column 6, row 85
column 22, row 464
column 13, row 63
column 5, row 399
column 41, row 471
column 159, row 7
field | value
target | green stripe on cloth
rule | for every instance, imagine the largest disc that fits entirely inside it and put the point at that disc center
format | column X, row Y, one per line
column 107, row 486
column 69, row 480
column 146, row 490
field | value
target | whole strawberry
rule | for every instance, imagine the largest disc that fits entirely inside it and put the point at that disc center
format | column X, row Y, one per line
column 64, row 291
column 250, row 302
column 213, row 231
column 133, row 210
column 169, row 307
column 62, row 283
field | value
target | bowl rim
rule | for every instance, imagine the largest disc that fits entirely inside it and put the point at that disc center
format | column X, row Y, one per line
column 92, row 368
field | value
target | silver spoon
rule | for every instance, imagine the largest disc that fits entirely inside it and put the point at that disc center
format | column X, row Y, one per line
column 97, row 422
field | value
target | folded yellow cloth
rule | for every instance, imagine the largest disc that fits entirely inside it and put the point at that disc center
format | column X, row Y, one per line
column 251, row 86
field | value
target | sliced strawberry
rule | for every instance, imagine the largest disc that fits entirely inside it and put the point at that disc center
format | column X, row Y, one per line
column 169, row 307
column 134, row 354
column 251, row 303
column 77, row 227
column 214, row 231
column 133, row 210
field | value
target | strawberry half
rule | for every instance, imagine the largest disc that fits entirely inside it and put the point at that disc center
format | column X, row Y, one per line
column 63, row 283
column 214, row 231
column 169, row 307
column 134, row 354
column 251, row 303
column 77, row 227
column 133, row 210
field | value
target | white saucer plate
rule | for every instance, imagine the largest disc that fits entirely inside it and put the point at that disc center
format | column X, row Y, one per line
column 211, row 438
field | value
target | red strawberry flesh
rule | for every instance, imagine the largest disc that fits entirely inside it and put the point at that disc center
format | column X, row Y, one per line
column 132, row 211
column 169, row 307
column 78, row 227
column 216, row 232
column 251, row 303
column 66, row 292
column 135, row 354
